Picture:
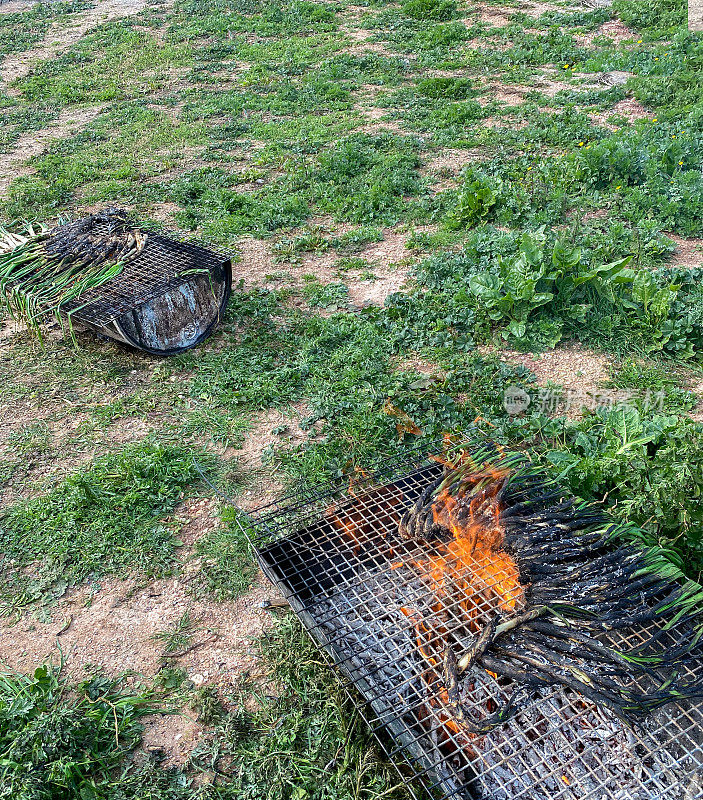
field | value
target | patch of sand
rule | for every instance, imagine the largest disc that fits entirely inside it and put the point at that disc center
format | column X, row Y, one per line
column 581, row 372
column 165, row 213
column 492, row 15
column 629, row 108
column 418, row 364
column 499, row 17
column 509, row 95
column 361, row 46
column 113, row 628
column 374, row 292
column 536, row 9
column 454, row 160
column 31, row 145
column 15, row 6
column 376, row 122
column 689, row 252
column 256, row 262
column 172, row 736
column 64, row 34
column 613, row 29
column 389, row 260
column 265, row 484
column 515, row 95
column 696, row 414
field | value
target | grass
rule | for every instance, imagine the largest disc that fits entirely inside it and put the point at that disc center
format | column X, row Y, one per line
column 178, row 636
column 19, row 31
column 59, row 741
column 276, row 121
column 227, row 569
column 62, row 740
column 99, row 521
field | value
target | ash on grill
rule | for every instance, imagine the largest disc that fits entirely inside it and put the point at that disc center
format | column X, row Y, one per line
column 501, row 635
column 547, row 732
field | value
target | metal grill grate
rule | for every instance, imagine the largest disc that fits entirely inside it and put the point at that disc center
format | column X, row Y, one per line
column 339, row 561
column 163, row 265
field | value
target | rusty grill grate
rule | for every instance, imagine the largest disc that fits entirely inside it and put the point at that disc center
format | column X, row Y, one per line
column 339, row 561
column 164, row 264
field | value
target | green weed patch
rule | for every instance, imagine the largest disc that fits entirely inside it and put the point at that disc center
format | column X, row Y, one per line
column 106, row 518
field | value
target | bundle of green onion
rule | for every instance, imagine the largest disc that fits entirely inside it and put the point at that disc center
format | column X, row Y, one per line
column 45, row 272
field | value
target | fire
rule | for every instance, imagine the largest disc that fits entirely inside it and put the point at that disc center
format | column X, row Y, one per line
column 470, row 578
column 470, row 575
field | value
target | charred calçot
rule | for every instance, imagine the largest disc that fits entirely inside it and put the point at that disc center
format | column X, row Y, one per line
column 576, row 583
column 109, row 235
column 48, row 271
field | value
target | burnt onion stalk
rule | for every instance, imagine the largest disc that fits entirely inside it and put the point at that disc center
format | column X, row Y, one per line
column 45, row 272
column 580, row 581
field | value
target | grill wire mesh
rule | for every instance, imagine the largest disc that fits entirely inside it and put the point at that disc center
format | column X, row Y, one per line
column 163, row 265
column 337, row 558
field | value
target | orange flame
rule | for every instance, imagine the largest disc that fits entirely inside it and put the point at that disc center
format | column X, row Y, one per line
column 471, row 576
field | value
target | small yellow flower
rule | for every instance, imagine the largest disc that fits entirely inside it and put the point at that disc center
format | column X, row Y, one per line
column 673, row 135
column 617, row 188
column 566, row 66
column 529, row 168
column 639, row 41
column 654, row 119
column 581, row 144
column 588, row 147
column 681, row 163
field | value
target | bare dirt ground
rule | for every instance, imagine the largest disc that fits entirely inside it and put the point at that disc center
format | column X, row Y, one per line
column 116, row 630
column 265, row 485
column 14, row 6
column 63, row 35
column 500, row 17
column 31, row 145
column 113, row 626
column 689, row 252
column 514, row 95
column 696, row 413
column 613, row 29
column 389, row 262
column 629, row 108
column 581, row 372
column 452, row 161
